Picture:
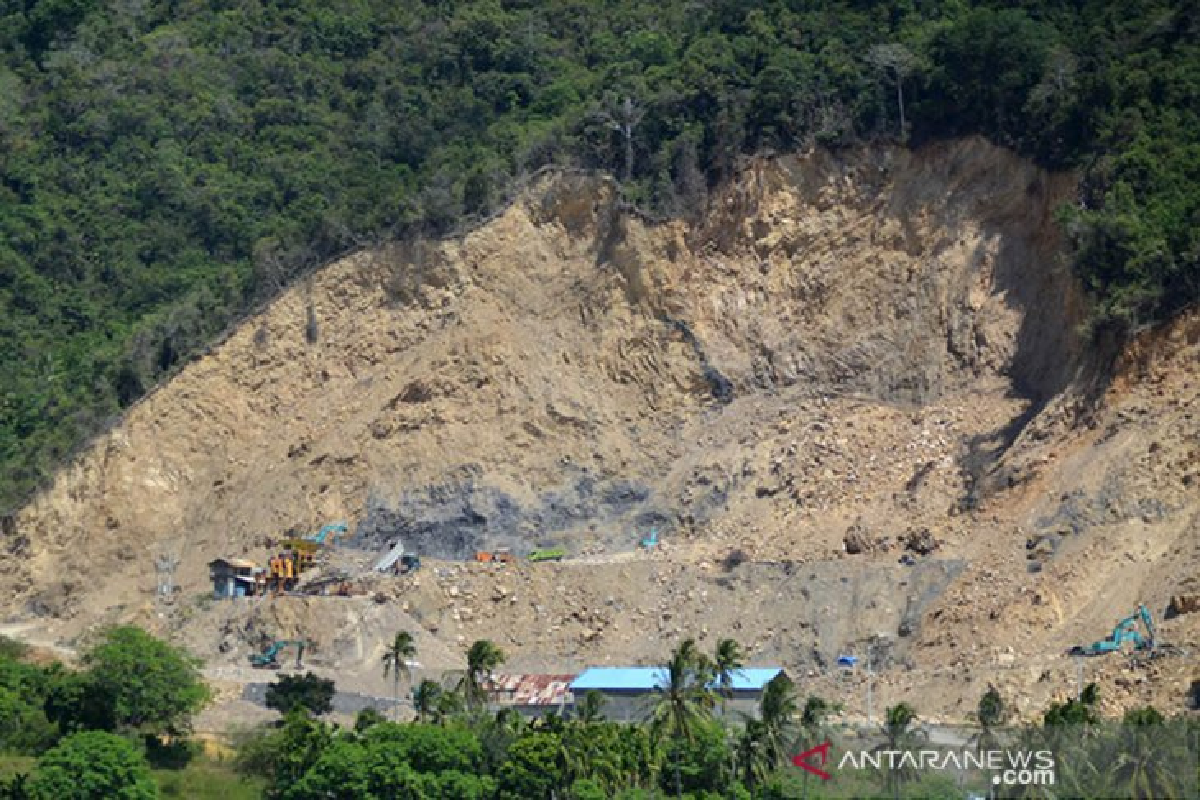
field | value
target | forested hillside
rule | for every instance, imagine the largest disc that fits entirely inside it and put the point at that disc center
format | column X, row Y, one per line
column 165, row 165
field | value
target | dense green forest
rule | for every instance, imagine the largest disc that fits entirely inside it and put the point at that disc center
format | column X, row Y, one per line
column 166, row 164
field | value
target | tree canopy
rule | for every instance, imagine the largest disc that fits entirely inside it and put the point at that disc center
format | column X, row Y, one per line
column 310, row 692
column 93, row 765
column 149, row 684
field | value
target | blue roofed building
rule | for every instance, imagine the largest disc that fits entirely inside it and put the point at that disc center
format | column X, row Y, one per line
column 628, row 691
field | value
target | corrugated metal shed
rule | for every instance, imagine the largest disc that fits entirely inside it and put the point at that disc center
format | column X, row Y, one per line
column 648, row 679
column 531, row 690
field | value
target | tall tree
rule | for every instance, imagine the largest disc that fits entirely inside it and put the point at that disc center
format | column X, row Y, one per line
column 590, row 709
column 682, row 699
column 991, row 714
column 899, row 63
column 764, row 742
column 897, row 727
column 425, row 698
column 727, row 662
column 396, row 663
column 623, row 119
column 778, row 710
column 152, row 686
column 1150, row 757
column 482, row 659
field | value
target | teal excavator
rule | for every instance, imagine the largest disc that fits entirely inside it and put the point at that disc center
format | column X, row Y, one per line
column 268, row 659
column 1125, row 632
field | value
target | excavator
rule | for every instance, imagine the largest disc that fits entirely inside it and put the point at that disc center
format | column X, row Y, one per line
column 1124, row 633
column 321, row 536
column 268, row 658
column 651, row 541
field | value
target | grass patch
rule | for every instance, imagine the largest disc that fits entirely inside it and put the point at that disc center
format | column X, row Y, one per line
column 11, row 765
column 208, row 780
column 203, row 779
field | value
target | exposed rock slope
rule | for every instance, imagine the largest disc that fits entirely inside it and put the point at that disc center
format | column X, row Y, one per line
column 878, row 345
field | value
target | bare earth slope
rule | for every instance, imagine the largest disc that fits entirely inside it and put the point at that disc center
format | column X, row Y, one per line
column 874, row 349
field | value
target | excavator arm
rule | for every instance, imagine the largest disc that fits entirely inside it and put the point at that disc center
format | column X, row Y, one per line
column 1148, row 621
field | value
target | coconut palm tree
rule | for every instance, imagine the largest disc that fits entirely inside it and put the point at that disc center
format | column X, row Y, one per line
column 897, row 727
column 425, row 700
column 1149, row 759
column 482, row 659
column 812, row 729
column 591, row 708
column 751, row 754
column 395, row 663
column 727, row 662
column 990, row 715
column 449, row 704
column 778, row 709
column 683, row 699
column 763, row 745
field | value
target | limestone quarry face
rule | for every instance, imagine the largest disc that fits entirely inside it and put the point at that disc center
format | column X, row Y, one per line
column 851, row 360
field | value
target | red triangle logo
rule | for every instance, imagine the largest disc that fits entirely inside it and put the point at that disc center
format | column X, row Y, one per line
column 803, row 760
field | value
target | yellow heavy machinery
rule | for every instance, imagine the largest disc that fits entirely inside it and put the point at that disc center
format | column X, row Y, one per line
column 283, row 570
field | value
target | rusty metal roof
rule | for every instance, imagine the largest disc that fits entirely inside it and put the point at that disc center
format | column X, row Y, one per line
column 531, row 690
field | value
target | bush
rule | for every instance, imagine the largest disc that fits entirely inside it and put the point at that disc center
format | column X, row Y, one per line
column 367, row 719
column 23, row 725
column 11, row 649
column 93, row 766
column 172, row 753
column 309, row 692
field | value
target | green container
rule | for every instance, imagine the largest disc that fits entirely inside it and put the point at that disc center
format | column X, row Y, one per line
column 557, row 554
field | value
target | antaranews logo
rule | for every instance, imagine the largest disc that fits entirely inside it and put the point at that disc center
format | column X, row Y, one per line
column 803, row 761
column 1008, row 767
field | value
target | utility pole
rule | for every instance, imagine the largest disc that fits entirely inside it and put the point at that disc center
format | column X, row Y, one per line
column 1078, row 679
column 870, row 683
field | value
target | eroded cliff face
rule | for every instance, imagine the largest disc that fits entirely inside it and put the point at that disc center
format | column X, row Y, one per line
column 842, row 342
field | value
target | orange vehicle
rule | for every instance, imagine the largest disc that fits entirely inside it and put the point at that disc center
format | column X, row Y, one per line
column 503, row 556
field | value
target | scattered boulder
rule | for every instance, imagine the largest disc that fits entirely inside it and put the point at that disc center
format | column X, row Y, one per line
column 856, row 540
column 920, row 541
column 1183, row 604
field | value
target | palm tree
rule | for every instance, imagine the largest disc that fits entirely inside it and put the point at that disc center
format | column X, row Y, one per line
column 396, row 661
column 763, row 744
column 683, row 699
column 1069, row 730
column 727, row 662
column 897, row 728
column 812, row 727
column 591, row 708
column 991, row 715
column 1149, row 759
column 751, row 756
column 777, row 711
column 425, row 699
column 448, row 705
column 482, row 659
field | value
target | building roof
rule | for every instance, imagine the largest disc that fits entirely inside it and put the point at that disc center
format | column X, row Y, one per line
column 651, row 678
column 532, row 690
column 236, row 563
